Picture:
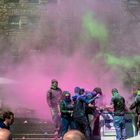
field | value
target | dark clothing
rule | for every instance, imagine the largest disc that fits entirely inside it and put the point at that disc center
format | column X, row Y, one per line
column 79, row 114
column 2, row 125
column 91, row 110
column 83, row 126
column 67, row 120
column 136, row 104
column 119, row 118
column 80, row 105
column 66, row 123
column 119, row 106
column 65, row 108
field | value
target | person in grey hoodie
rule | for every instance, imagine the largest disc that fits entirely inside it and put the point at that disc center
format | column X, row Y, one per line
column 54, row 95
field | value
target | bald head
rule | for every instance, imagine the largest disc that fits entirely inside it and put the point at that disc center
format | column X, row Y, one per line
column 4, row 134
column 74, row 135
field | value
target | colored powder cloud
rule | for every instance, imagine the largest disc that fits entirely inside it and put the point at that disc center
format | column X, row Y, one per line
column 95, row 29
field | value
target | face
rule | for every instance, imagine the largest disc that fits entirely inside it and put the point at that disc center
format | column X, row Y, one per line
column 67, row 96
column 11, row 120
column 114, row 93
column 82, row 91
column 55, row 84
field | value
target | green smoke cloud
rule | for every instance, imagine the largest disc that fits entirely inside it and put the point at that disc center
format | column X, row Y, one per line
column 94, row 29
column 124, row 62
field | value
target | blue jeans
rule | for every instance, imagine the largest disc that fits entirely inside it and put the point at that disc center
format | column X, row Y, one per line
column 119, row 124
column 66, row 123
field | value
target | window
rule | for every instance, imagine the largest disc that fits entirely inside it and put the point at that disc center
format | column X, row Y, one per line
column 33, row 1
column 14, row 21
column 52, row 1
column 11, row 1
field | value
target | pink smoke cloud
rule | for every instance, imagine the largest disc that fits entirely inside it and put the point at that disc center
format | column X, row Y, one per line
column 55, row 50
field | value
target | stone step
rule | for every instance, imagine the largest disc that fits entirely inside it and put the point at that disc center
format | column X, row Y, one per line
column 36, row 139
column 33, row 135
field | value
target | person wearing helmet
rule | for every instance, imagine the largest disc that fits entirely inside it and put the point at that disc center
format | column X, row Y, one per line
column 53, row 99
column 66, row 109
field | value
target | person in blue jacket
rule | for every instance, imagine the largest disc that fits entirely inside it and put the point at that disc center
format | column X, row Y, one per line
column 79, row 113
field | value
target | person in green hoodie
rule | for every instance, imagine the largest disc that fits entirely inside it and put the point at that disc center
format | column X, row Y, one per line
column 66, row 109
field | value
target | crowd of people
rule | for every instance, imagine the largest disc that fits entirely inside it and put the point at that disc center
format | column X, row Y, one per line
column 79, row 111
column 74, row 114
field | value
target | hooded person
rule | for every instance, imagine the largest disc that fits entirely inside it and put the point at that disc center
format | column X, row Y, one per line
column 66, row 109
column 76, row 93
column 79, row 112
column 91, row 108
column 54, row 95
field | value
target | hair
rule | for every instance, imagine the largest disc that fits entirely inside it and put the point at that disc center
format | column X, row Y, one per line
column 114, row 90
column 98, row 90
column 82, row 90
column 54, row 81
column 7, row 115
column 74, row 135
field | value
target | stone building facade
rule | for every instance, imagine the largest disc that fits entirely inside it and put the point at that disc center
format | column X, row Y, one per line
column 16, row 16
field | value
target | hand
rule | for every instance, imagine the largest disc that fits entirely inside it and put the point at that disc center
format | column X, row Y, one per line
column 90, row 105
column 70, row 111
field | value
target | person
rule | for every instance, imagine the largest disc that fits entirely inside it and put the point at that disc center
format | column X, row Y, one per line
column 66, row 109
column 82, row 91
column 91, row 109
column 8, row 120
column 136, row 104
column 118, row 105
column 5, row 134
column 74, row 135
column 53, row 99
column 79, row 113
